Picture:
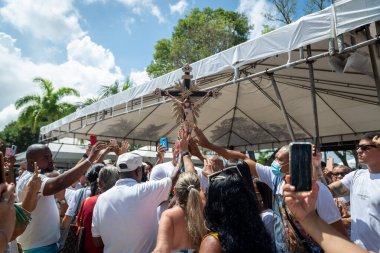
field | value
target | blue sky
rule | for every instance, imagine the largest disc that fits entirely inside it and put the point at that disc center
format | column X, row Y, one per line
column 88, row 43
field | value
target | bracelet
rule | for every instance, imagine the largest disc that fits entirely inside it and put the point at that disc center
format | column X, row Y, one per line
column 88, row 160
column 187, row 153
column 85, row 155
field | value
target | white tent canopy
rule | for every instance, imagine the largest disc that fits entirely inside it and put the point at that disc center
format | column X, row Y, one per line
column 331, row 51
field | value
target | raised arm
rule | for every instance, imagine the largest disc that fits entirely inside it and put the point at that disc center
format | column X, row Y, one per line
column 226, row 153
column 167, row 93
column 57, row 184
column 338, row 189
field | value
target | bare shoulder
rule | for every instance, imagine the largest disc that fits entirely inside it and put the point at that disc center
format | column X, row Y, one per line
column 210, row 245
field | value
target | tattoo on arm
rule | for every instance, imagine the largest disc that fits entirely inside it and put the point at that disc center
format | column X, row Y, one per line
column 338, row 189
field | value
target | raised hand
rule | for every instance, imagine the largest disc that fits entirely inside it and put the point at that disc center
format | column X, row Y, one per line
column 184, row 142
column 376, row 140
column 160, row 152
column 201, row 138
column 95, row 151
column 34, row 184
column 194, row 149
column 124, row 147
column 301, row 204
column 317, row 158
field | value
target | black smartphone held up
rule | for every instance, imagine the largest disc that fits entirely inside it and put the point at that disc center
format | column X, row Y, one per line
column 300, row 163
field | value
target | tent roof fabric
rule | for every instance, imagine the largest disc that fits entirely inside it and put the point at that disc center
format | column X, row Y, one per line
column 248, row 113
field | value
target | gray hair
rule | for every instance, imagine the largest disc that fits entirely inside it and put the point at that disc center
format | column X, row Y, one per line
column 108, row 175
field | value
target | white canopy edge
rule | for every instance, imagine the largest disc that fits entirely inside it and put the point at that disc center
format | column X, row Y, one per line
column 341, row 17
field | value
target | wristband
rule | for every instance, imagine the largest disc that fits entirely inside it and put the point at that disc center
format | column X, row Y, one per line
column 85, row 155
column 88, row 160
column 187, row 153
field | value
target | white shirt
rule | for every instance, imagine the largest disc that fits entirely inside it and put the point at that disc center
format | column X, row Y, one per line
column 365, row 208
column 267, row 218
column 125, row 216
column 43, row 230
column 166, row 169
column 75, row 199
column 326, row 206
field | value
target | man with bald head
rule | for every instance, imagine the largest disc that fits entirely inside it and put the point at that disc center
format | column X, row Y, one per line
column 290, row 239
column 43, row 232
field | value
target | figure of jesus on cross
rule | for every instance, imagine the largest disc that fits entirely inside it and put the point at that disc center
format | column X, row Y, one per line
column 185, row 109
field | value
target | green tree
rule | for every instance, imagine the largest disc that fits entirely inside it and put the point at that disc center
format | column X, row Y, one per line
column 197, row 36
column 285, row 11
column 316, row 5
column 39, row 110
column 267, row 29
column 13, row 133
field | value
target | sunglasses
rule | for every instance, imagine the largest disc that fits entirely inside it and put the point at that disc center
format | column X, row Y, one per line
column 217, row 175
column 342, row 174
column 365, row 147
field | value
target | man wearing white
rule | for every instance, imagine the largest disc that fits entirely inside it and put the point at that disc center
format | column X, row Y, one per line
column 124, row 218
column 42, row 233
column 363, row 187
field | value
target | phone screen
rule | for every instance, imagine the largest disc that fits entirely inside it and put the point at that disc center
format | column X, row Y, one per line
column 92, row 139
column 13, row 150
column 164, row 143
column 301, row 165
column 113, row 142
column 7, row 152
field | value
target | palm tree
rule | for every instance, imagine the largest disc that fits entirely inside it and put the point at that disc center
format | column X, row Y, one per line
column 88, row 101
column 106, row 91
column 46, row 108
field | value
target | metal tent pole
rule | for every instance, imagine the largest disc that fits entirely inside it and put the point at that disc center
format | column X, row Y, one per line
column 373, row 63
column 313, row 97
column 283, row 109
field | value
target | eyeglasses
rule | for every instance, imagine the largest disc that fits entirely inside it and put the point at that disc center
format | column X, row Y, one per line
column 342, row 174
column 217, row 175
column 365, row 147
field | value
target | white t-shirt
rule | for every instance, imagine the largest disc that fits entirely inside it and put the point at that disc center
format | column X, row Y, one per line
column 365, row 208
column 75, row 199
column 125, row 216
column 69, row 193
column 166, row 169
column 326, row 206
column 43, row 230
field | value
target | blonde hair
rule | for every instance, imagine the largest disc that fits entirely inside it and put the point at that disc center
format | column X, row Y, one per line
column 187, row 191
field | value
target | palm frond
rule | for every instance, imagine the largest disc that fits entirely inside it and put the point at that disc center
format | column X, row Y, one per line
column 27, row 99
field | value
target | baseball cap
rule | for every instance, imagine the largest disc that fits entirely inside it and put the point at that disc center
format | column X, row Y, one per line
column 128, row 162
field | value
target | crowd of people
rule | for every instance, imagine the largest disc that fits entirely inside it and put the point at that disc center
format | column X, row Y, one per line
column 232, row 204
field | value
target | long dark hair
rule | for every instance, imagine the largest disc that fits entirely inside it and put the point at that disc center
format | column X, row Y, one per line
column 232, row 211
column 92, row 176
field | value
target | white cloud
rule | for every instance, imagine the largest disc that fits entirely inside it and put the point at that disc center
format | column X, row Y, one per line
column 139, row 77
column 55, row 21
column 78, row 72
column 254, row 10
column 179, row 7
column 8, row 114
column 88, row 53
column 139, row 7
column 128, row 22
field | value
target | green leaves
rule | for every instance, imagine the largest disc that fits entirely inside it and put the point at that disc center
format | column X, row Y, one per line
column 199, row 35
column 43, row 109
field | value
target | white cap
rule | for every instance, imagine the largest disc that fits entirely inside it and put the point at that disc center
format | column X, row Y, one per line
column 129, row 162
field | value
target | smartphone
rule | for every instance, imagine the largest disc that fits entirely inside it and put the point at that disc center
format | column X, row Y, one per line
column 113, row 142
column 13, row 150
column 300, row 163
column 164, row 143
column 8, row 152
column 92, row 139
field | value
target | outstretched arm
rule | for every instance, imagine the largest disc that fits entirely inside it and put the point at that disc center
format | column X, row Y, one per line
column 338, row 189
column 173, row 98
column 226, row 153
column 302, row 205
column 57, row 184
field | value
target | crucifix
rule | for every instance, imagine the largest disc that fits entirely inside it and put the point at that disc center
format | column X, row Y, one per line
column 185, row 107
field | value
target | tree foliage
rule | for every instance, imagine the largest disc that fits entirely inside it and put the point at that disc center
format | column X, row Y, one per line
column 39, row 110
column 316, row 5
column 285, row 11
column 197, row 36
column 13, row 134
